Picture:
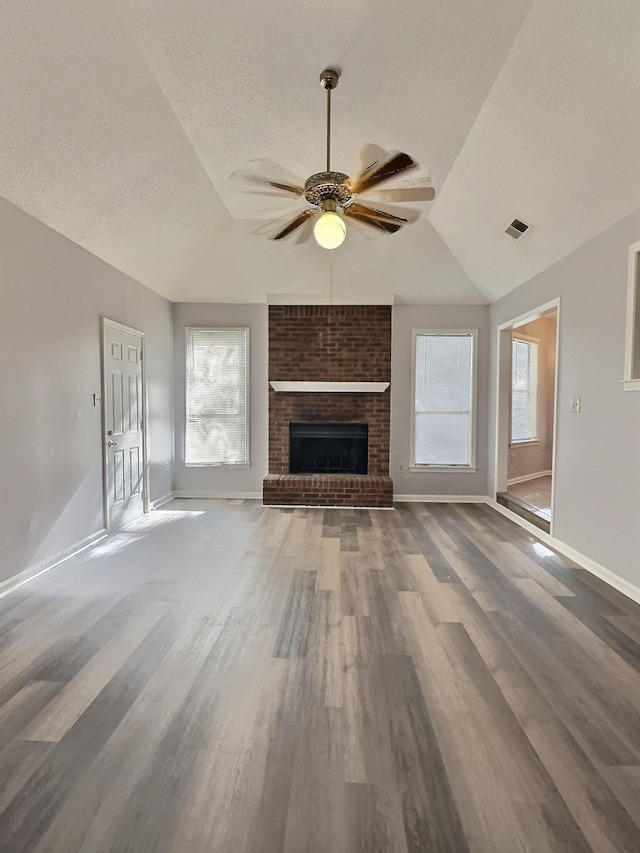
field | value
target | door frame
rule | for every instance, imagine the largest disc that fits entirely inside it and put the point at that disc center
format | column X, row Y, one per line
column 503, row 398
column 113, row 324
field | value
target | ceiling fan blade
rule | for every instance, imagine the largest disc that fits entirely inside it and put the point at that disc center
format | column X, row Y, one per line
column 248, row 183
column 305, row 232
column 356, row 209
column 397, row 188
column 275, row 220
column 383, row 169
column 382, row 224
column 295, row 223
column 288, row 188
column 403, row 194
column 266, row 178
column 371, row 153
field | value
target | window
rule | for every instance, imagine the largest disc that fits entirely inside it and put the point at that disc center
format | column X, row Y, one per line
column 632, row 345
column 524, row 389
column 216, row 428
column 444, row 399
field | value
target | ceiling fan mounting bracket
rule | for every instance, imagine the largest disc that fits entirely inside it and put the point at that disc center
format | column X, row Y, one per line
column 328, row 185
column 329, row 79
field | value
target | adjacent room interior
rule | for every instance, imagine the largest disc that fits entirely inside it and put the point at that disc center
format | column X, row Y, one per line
column 320, row 488
column 530, row 346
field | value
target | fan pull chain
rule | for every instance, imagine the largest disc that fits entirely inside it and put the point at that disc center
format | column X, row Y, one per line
column 331, row 278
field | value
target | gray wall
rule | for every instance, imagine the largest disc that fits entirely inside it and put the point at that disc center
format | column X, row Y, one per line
column 406, row 318
column 532, row 458
column 220, row 480
column 54, row 295
column 238, row 481
column 597, row 471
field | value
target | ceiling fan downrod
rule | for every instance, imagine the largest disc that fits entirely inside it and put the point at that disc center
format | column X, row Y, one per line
column 329, row 229
column 329, row 81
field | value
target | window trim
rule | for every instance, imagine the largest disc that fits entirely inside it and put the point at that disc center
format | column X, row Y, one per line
column 523, row 442
column 631, row 382
column 470, row 468
column 247, row 370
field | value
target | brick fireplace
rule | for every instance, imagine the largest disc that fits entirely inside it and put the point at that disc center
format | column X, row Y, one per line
column 332, row 344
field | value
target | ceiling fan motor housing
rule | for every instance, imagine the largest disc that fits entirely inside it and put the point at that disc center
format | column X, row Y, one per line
column 328, row 185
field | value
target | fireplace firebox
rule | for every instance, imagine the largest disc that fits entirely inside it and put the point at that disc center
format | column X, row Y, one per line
column 328, row 448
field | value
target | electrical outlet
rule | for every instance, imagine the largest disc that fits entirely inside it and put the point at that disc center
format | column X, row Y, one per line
column 575, row 405
column 166, row 467
column 97, row 399
column 401, row 468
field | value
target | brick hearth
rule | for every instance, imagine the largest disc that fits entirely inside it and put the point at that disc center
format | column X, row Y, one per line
column 328, row 490
column 343, row 343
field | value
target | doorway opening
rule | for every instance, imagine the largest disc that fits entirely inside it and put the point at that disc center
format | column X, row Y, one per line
column 526, row 417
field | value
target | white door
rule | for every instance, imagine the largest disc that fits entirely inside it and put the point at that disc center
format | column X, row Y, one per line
column 124, row 452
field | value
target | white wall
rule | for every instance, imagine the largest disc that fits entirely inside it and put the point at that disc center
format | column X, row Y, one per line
column 406, row 318
column 222, row 480
column 54, row 295
column 597, row 470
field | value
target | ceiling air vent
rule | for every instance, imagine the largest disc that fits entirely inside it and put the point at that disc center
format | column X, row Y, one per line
column 516, row 229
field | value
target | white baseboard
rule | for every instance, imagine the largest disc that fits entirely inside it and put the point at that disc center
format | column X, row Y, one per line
column 475, row 499
column 161, row 501
column 315, row 506
column 606, row 575
column 247, row 496
column 528, row 477
column 440, row 499
column 43, row 566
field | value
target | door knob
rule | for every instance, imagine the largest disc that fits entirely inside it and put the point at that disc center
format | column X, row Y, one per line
column 112, row 442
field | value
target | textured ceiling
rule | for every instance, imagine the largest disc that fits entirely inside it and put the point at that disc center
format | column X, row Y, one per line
column 121, row 121
column 555, row 144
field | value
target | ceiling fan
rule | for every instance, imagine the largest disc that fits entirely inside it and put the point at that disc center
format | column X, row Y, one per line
column 334, row 195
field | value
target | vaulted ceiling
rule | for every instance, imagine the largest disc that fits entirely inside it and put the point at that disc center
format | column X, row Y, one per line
column 121, row 121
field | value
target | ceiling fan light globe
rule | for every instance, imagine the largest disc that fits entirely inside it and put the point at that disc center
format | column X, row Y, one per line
column 330, row 230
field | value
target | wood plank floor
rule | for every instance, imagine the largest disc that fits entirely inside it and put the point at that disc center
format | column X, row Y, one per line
column 226, row 677
column 536, row 493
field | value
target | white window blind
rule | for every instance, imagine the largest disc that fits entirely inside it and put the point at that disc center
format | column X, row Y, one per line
column 524, row 390
column 444, row 374
column 216, row 430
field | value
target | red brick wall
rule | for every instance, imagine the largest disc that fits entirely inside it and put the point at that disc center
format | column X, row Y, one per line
column 339, row 343
column 330, row 343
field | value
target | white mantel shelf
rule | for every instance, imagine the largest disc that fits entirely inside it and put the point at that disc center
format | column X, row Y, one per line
column 332, row 387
